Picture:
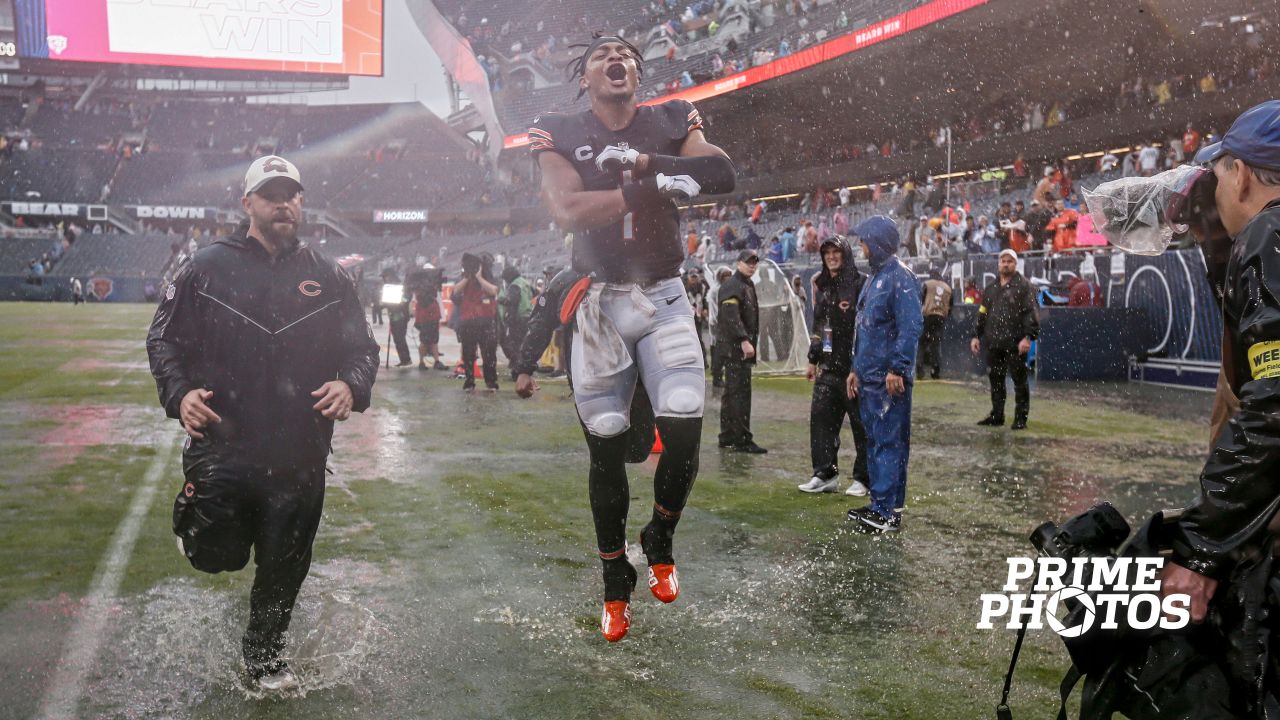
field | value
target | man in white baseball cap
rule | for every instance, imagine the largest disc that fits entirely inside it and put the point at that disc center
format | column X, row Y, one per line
column 268, row 168
column 1007, row 323
column 259, row 347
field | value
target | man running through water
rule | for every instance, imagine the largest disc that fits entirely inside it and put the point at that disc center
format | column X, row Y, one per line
column 611, row 174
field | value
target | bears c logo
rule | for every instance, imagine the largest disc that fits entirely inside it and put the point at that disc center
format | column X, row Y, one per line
column 310, row 288
column 274, row 164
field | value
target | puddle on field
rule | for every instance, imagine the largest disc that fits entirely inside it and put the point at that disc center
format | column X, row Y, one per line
column 178, row 644
column 772, row 621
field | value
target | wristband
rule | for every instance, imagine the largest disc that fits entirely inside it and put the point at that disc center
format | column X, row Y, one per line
column 639, row 192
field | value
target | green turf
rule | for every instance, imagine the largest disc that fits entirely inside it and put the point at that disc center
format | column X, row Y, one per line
column 462, row 524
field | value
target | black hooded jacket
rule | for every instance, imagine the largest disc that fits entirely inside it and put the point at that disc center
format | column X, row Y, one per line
column 1239, row 493
column 544, row 321
column 835, row 301
column 262, row 334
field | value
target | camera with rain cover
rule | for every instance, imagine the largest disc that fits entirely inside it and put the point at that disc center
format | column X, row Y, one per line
column 1140, row 670
column 1099, row 531
column 424, row 282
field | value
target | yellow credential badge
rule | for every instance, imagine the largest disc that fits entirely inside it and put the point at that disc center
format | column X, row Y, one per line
column 1264, row 359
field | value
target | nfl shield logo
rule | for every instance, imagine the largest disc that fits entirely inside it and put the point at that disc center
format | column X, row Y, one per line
column 101, row 287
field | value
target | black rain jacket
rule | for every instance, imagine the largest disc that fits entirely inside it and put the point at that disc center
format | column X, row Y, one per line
column 1240, row 484
column 836, row 302
column 262, row 334
column 738, row 318
column 1008, row 313
column 544, row 321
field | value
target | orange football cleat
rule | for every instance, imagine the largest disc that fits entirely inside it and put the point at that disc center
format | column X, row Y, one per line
column 664, row 583
column 615, row 621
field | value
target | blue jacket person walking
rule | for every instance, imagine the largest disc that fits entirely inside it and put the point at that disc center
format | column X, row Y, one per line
column 884, row 358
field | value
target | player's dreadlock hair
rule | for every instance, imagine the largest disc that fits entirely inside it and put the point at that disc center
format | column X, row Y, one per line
column 576, row 67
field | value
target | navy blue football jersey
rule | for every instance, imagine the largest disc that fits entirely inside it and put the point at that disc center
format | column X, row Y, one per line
column 645, row 245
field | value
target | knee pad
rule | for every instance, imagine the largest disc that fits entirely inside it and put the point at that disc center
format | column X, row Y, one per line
column 607, row 425
column 680, row 394
column 602, row 417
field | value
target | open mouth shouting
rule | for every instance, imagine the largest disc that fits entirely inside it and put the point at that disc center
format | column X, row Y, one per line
column 616, row 73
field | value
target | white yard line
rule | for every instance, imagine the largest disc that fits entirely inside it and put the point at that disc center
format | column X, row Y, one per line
column 81, row 650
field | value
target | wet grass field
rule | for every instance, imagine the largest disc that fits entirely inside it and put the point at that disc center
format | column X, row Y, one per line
column 454, row 572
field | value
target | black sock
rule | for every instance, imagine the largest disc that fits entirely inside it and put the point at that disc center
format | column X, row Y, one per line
column 610, row 499
column 619, row 577
column 672, row 483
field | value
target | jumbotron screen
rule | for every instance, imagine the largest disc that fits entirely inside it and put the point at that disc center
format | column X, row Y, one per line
column 335, row 37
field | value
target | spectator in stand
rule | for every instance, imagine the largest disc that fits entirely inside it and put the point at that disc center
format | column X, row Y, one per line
column 753, row 239
column 1040, row 237
column 1063, row 227
column 810, row 238
column 1085, row 292
column 985, row 236
column 787, row 241
column 1045, row 191
column 1190, row 141
column 691, row 240
column 728, row 238
column 972, row 295
column 774, row 253
column 1016, row 227
column 908, row 206
column 1148, row 160
column 1129, row 165
column 924, row 237
column 1004, row 217
column 840, row 221
column 844, row 192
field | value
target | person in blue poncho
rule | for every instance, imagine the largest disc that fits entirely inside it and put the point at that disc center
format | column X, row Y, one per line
column 884, row 356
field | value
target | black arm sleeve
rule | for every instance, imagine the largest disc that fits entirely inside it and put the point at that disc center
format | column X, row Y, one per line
column 172, row 339
column 815, row 340
column 542, row 325
column 360, row 351
column 714, row 173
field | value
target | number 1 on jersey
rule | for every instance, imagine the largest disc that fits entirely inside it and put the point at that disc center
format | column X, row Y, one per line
column 628, row 222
